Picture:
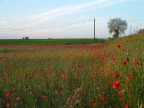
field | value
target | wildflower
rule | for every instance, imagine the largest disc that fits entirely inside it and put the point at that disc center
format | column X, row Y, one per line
column 114, row 59
column 8, row 105
column 94, row 76
column 61, row 93
column 102, row 71
column 120, row 99
column 124, row 62
column 116, row 76
column 101, row 97
column 32, row 72
column 116, row 84
column 40, row 74
column 118, row 46
column 18, row 99
column 65, row 75
column 14, row 89
column 120, row 92
column 94, row 104
column 126, row 106
column 50, row 67
column 106, row 102
column 9, row 95
column 128, row 77
column 44, row 97
column 29, row 77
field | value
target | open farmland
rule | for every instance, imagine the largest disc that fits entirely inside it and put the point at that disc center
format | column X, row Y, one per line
column 73, row 76
column 50, row 41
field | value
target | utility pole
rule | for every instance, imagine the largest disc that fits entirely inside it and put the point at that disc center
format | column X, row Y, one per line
column 130, row 31
column 94, row 28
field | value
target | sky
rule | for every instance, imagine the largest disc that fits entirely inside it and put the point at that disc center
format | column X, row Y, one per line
column 43, row 19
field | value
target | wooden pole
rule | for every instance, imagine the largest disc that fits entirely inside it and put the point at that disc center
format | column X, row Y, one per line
column 94, row 28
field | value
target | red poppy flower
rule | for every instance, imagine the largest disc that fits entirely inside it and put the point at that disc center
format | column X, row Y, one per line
column 61, row 93
column 9, row 95
column 116, row 76
column 124, row 62
column 18, row 99
column 128, row 77
column 126, row 106
column 44, row 97
column 120, row 92
column 65, row 76
column 94, row 104
column 114, row 59
column 29, row 77
column 14, row 89
column 106, row 102
column 8, row 105
column 116, row 84
column 94, row 76
column 120, row 99
column 101, row 98
column 118, row 46
column 32, row 72
column 40, row 74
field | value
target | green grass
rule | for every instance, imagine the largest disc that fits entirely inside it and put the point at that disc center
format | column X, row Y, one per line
column 51, row 41
column 74, row 76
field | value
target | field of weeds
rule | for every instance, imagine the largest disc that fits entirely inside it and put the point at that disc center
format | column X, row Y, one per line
column 73, row 76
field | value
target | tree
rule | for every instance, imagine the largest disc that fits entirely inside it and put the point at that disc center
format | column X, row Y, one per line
column 117, row 26
column 26, row 38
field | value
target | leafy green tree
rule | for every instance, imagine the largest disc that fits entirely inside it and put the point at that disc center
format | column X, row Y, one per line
column 117, row 26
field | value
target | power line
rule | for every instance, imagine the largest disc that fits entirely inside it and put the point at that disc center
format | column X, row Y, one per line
column 135, row 20
column 51, row 27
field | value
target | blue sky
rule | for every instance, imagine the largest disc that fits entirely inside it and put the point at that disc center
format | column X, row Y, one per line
column 66, row 19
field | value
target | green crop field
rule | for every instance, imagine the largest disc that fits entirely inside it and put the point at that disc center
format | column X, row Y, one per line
column 51, row 41
column 72, row 76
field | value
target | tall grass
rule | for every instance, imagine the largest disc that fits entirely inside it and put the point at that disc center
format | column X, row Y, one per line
column 68, row 76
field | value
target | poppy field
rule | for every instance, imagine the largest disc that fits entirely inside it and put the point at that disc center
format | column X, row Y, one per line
column 109, row 75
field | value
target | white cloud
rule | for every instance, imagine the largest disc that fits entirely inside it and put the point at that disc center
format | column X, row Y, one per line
column 3, row 23
column 36, row 19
